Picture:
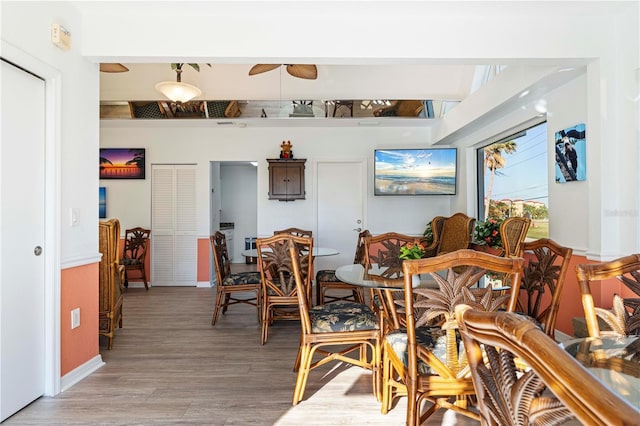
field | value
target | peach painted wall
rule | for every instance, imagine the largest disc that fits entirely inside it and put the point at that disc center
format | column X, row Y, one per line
column 79, row 289
column 203, row 260
column 571, row 303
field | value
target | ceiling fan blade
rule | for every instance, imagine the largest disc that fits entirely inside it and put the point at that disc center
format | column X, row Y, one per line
column 260, row 68
column 106, row 67
column 308, row 71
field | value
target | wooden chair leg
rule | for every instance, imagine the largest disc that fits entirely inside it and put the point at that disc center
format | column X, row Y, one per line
column 226, row 303
column 144, row 278
column 216, row 309
column 303, row 373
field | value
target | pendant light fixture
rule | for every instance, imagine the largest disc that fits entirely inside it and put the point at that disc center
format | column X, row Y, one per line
column 178, row 91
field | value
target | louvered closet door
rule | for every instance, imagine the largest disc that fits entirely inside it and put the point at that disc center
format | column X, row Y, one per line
column 173, row 225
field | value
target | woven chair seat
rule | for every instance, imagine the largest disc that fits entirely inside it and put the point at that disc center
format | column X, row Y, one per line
column 327, row 275
column 241, row 278
column 130, row 262
column 432, row 338
column 342, row 316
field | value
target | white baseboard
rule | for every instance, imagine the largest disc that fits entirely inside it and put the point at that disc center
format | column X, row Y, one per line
column 204, row 284
column 79, row 373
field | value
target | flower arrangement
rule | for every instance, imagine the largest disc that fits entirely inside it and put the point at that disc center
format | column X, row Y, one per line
column 413, row 250
column 488, row 232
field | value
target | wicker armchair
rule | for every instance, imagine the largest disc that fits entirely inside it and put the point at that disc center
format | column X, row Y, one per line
column 229, row 284
column 624, row 318
column 450, row 234
column 422, row 361
column 555, row 388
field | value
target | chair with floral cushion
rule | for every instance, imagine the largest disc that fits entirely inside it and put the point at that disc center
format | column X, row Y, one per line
column 326, row 279
column 330, row 332
column 423, row 359
column 555, row 388
column 546, row 265
column 450, row 234
column 279, row 290
column 624, row 318
column 229, row 285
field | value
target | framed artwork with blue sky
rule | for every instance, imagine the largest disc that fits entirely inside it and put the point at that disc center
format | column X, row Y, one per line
column 571, row 150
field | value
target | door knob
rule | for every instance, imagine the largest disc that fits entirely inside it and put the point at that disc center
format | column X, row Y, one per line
column 37, row 250
column 357, row 229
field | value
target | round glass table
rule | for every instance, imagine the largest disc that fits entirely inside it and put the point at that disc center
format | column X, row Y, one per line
column 613, row 360
column 317, row 251
column 375, row 278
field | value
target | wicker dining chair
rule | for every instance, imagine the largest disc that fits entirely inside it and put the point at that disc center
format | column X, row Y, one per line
column 513, row 231
column 136, row 244
column 624, row 318
column 546, row 265
column 332, row 331
column 422, row 360
column 553, row 389
column 296, row 232
column 230, row 285
column 384, row 250
column 326, row 279
column 279, row 289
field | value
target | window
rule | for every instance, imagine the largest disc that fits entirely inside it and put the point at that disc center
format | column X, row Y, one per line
column 513, row 178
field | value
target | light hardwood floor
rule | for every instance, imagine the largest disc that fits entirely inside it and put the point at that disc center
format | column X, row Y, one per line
column 169, row 366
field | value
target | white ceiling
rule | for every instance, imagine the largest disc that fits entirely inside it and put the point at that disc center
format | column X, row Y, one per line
column 231, row 81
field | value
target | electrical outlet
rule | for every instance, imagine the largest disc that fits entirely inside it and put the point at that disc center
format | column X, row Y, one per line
column 75, row 318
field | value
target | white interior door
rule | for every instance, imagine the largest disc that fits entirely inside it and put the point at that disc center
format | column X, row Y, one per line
column 341, row 186
column 173, row 225
column 22, row 328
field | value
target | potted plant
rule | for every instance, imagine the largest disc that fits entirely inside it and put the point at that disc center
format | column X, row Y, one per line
column 414, row 250
column 487, row 236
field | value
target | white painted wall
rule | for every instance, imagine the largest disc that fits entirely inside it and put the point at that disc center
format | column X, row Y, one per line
column 200, row 143
column 27, row 26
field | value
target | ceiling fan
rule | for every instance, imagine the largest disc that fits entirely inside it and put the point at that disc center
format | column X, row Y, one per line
column 113, row 67
column 307, row 71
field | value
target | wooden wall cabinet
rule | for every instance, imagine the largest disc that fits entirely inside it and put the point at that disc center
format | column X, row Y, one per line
column 286, row 179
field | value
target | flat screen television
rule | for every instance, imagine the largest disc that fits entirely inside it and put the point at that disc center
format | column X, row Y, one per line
column 431, row 171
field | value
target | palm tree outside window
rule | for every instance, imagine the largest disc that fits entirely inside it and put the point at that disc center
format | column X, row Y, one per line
column 513, row 178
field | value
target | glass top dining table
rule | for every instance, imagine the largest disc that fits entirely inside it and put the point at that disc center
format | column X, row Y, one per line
column 375, row 278
column 317, row 252
column 613, row 360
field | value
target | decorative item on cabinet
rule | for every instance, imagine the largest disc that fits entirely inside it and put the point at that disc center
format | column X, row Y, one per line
column 286, row 179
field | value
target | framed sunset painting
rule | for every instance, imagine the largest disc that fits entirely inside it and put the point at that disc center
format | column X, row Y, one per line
column 122, row 163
